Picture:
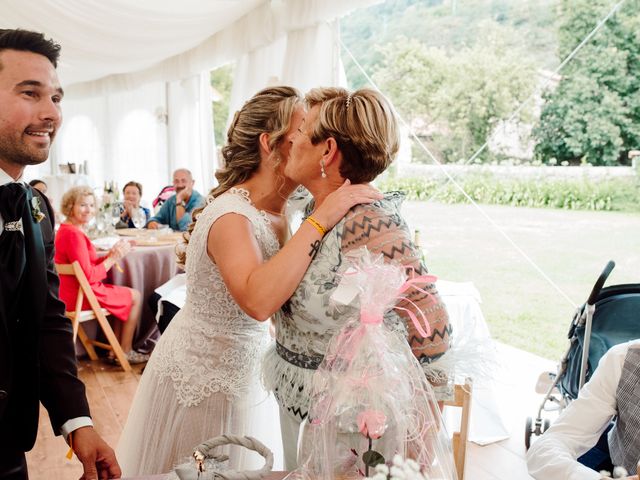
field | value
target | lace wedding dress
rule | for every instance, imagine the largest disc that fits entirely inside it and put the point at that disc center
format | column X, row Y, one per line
column 202, row 379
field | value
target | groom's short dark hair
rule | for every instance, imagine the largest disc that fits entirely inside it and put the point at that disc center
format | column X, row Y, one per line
column 28, row 41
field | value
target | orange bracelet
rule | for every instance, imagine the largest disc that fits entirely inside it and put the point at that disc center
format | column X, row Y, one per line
column 317, row 225
column 70, row 452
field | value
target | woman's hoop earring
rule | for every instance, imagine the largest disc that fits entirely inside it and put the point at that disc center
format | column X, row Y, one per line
column 323, row 174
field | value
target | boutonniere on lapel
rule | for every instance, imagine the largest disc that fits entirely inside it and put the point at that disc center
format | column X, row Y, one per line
column 36, row 211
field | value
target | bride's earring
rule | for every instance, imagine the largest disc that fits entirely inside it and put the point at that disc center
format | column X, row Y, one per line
column 323, row 174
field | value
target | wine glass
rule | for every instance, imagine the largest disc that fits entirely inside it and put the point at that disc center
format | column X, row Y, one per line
column 139, row 219
column 101, row 224
column 115, row 214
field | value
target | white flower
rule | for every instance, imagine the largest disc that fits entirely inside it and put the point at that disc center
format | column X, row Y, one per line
column 36, row 211
column 620, row 472
column 397, row 472
column 401, row 469
column 411, row 463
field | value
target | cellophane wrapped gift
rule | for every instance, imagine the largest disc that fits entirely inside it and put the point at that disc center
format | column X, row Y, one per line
column 370, row 398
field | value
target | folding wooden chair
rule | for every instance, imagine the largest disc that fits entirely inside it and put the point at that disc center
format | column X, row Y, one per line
column 97, row 312
column 462, row 399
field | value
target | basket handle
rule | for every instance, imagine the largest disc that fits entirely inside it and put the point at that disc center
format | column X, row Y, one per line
column 600, row 282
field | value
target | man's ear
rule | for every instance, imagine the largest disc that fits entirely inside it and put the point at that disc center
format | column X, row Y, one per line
column 264, row 143
column 331, row 152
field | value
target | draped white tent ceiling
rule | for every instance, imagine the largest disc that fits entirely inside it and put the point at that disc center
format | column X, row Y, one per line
column 136, row 74
column 102, row 38
column 119, row 44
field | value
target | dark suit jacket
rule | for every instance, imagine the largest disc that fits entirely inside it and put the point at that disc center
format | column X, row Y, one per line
column 38, row 362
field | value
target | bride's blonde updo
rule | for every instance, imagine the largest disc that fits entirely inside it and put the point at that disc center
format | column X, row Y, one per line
column 268, row 111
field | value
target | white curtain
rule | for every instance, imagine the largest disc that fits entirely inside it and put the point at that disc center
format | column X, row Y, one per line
column 254, row 71
column 142, row 135
column 304, row 58
column 312, row 58
column 190, row 129
column 119, row 137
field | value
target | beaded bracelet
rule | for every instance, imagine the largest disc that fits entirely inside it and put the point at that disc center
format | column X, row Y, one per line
column 317, row 225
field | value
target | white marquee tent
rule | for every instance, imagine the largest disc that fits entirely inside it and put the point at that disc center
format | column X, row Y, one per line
column 136, row 74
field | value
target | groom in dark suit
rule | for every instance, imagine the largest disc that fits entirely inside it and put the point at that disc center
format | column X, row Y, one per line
column 37, row 356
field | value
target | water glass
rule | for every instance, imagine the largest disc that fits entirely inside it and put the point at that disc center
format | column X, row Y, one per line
column 139, row 219
column 115, row 215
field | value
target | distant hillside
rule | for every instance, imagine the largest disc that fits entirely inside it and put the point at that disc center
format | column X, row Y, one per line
column 528, row 26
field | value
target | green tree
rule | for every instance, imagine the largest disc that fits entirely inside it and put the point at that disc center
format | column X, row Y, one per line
column 594, row 113
column 447, row 24
column 221, row 81
column 461, row 96
column 411, row 75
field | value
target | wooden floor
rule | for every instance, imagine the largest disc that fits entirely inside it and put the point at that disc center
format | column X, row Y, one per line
column 110, row 392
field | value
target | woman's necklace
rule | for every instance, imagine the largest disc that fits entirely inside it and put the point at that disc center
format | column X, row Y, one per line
column 272, row 212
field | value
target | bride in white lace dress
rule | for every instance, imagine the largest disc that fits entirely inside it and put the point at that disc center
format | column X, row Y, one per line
column 202, row 379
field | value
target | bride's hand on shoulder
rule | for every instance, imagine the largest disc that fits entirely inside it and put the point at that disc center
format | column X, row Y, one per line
column 339, row 202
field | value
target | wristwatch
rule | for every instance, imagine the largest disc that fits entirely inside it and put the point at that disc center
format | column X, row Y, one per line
column 183, row 204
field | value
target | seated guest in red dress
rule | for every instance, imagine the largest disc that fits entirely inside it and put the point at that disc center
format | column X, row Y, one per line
column 78, row 205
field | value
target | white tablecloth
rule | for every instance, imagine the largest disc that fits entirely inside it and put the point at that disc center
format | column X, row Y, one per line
column 463, row 304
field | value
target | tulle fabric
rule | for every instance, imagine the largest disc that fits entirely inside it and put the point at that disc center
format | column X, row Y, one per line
column 370, row 393
column 164, row 433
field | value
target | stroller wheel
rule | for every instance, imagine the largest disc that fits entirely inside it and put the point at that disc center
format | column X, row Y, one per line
column 528, row 432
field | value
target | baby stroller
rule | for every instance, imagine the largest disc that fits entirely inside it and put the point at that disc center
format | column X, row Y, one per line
column 610, row 316
column 166, row 193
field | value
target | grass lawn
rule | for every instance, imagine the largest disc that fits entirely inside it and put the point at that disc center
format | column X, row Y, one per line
column 521, row 307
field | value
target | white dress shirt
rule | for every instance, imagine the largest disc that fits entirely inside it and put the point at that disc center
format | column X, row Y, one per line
column 73, row 423
column 553, row 456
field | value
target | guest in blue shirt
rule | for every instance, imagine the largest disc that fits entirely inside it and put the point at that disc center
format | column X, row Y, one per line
column 130, row 207
column 176, row 211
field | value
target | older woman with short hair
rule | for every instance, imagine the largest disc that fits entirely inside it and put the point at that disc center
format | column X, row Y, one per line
column 72, row 244
column 344, row 136
column 130, row 208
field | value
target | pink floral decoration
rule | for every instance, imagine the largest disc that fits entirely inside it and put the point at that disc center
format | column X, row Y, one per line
column 372, row 423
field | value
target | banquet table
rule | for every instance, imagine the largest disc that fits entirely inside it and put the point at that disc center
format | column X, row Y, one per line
column 145, row 268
